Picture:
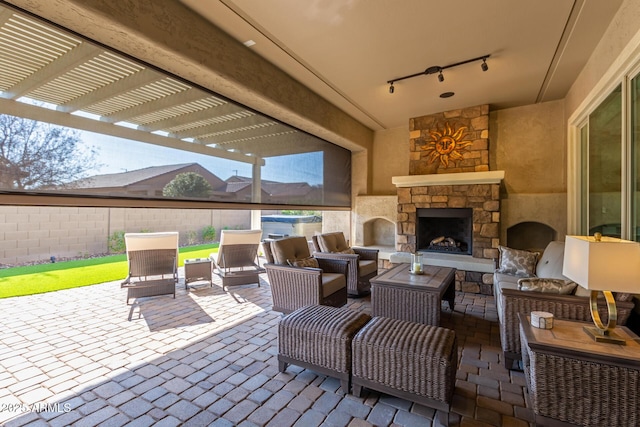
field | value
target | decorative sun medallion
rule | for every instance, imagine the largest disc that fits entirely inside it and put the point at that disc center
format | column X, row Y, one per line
column 446, row 145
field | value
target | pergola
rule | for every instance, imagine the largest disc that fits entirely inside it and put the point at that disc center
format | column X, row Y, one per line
column 53, row 76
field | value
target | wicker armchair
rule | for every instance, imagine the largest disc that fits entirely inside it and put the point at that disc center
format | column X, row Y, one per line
column 363, row 263
column 293, row 287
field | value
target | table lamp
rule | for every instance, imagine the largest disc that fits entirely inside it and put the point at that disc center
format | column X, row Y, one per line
column 603, row 264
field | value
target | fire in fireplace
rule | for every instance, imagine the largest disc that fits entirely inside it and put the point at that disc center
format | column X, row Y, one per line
column 447, row 230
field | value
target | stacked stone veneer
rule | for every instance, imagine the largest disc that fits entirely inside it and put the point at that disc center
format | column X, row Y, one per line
column 475, row 156
column 484, row 199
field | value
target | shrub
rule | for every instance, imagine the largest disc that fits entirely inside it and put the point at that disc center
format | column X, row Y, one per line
column 208, row 233
column 191, row 237
column 116, row 242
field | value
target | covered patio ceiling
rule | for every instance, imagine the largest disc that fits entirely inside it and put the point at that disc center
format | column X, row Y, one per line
column 54, row 76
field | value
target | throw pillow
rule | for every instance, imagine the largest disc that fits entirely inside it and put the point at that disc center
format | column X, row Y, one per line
column 582, row 292
column 518, row 262
column 552, row 286
column 347, row 251
column 309, row 262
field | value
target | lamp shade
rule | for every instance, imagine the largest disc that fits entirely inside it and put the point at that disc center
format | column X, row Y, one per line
column 607, row 265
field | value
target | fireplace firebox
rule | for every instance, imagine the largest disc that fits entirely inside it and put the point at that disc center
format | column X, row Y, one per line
column 448, row 230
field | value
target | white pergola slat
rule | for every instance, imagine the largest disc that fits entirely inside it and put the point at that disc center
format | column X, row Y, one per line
column 81, row 80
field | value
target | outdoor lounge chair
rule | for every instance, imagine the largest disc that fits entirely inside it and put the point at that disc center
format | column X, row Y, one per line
column 363, row 263
column 236, row 262
column 153, row 265
column 297, row 279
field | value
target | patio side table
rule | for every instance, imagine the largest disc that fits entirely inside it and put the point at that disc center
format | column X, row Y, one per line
column 195, row 270
column 574, row 380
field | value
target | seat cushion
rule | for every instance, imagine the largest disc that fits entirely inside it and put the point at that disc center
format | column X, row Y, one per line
column 332, row 282
column 367, row 266
column 332, row 242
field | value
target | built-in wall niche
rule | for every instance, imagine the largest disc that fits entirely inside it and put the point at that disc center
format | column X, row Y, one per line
column 530, row 235
column 379, row 232
column 447, row 230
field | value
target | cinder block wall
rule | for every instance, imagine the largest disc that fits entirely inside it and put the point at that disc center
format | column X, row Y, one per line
column 31, row 234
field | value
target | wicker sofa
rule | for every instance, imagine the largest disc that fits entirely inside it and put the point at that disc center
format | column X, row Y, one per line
column 510, row 300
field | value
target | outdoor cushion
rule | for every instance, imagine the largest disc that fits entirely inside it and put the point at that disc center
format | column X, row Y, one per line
column 554, row 286
column 367, row 266
column 550, row 264
column 516, row 261
column 289, row 248
column 332, row 282
column 309, row 262
column 332, row 242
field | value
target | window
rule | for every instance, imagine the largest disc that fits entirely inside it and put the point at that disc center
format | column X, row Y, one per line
column 79, row 120
column 606, row 154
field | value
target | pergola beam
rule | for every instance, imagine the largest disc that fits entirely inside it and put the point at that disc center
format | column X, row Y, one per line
column 32, row 112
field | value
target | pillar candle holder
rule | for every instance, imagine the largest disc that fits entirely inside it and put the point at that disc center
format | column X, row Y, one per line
column 416, row 264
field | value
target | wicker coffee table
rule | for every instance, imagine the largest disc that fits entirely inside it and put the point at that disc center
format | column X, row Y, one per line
column 398, row 294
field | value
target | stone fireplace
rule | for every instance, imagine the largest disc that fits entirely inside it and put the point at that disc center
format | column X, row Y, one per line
column 469, row 203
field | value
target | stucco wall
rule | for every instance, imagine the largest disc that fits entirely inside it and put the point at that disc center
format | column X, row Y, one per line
column 529, row 144
column 33, row 233
column 390, row 158
column 624, row 28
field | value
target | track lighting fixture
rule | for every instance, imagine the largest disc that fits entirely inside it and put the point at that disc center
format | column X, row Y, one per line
column 438, row 69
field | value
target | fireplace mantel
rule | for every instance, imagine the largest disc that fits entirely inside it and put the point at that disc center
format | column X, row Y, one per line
column 463, row 178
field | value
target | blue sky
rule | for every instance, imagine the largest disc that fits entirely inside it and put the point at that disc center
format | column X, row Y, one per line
column 119, row 155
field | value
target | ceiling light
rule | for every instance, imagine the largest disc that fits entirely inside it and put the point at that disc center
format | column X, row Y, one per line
column 249, row 43
column 438, row 69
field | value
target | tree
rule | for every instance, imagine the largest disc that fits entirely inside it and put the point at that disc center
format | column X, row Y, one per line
column 187, row 184
column 35, row 154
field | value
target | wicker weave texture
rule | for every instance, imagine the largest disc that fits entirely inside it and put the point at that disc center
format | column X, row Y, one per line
column 406, row 304
column 294, row 287
column 406, row 356
column 583, row 393
column 320, row 335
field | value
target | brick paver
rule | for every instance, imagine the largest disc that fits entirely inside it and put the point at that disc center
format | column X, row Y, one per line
column 208, row 357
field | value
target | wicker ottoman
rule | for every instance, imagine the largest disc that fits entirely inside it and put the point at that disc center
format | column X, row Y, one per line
column 408, row 360
column 318, row 337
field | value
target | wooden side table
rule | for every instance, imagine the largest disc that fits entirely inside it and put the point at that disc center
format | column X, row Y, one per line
column 195, row 270
column 574, row 380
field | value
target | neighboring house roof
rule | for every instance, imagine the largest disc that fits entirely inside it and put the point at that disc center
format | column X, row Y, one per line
column 273, row 188
column 124, row 179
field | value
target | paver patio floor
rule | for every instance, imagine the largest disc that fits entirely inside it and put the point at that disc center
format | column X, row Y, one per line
column 208, row 357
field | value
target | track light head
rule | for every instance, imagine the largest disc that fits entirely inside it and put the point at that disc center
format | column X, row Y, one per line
column 484, row 65
column 440, row 77
column 391, row 88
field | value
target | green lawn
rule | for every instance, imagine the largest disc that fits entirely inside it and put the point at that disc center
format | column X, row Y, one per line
column 41, row 278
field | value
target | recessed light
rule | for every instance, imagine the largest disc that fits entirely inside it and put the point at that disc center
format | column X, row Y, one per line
column 249, row 43
column 446, row 95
